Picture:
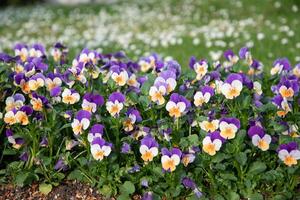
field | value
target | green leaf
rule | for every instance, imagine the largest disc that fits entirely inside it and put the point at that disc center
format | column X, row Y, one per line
column 228, row 176
column 241, row 158
column 127, row 188
column 256, row 196
column 123, row 197
column 106, row 190
column 193, row 139
column 9, row 152
column 45, row 188
column 233, row 196
column 256, row 168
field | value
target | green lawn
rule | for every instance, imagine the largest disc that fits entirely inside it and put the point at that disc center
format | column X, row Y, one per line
column 171, row 28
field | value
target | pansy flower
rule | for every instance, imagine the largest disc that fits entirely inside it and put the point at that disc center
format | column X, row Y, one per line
column 22, row 81
column 36, row 81
column 203, row 96
column 296, row 70
column 245, row 54
column 170, row 158
column 229, row 127
column 280, row 65
column 70, row 96
column 10, row 136
column 177, row 105
column 52, row 81
column 81, row 122
column 168, row 77
column 200, row 67
column 38, row 102
column 190, row 184
column 232, row 86
column 259, row 138
column 212, row 143
column 14, row 102
column 289, row 153
column 157, row 92
column 119, row 75
column 209, row 126
column 100, row 148
column 115, row 103
column 282, row 104
column 126, row 148
column 147, row 63
column 133, row 116
column 22, row 115
column 95, row 131
column 288, row 88
column 10, row 117
column 37, row 51
column 91, row 102
column 132, row 81
column 189, row 156
column 231, row 57
column 148, row 148
column 21, row 50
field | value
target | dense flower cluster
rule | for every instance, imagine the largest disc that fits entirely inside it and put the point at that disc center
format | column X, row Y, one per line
column 151, row 109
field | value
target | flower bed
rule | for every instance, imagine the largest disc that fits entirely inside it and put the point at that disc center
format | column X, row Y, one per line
column 222, row 130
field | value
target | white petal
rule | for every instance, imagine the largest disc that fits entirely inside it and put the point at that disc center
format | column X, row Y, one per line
column 267, row 138
column 95, row 148
column 176, row 159
column 170, row 105
column 206, row 140
column 181, row 106
column 143, row 149
column 164, row 158
column 106, row 150
column 295, row 154
column 255, row 140
column 154, row 151
column 282, row 154
column 85, row 123
column 218, row 144
column 237, row 84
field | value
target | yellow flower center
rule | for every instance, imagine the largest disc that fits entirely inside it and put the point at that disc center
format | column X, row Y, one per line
column 290, row 160
column 147, row 156
column 210, row 149
column 169, row 165
column 175, row 112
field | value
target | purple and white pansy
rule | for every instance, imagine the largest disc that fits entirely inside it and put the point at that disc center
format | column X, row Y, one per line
column 229, row 127
column 95, row 132
column 259, row 138
column 177, row 105
column 232, row 86
column 91, row 101
column 133, row 116
column 70, row 96
column 115, row 103
column 100, row 148
column 170, row 158
column 148, row 148
column 289, row 153
column 203, row 96
column 212, row 143
column 81, row 122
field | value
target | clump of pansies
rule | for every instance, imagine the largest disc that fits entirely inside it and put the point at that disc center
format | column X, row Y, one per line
column 109, row 108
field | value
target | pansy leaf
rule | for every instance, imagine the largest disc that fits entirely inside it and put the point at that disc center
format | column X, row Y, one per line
column 45, row 188
column 256, row 168
column 127, row 188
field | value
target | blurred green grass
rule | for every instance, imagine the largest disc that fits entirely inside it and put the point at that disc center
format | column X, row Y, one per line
column 265, row 50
